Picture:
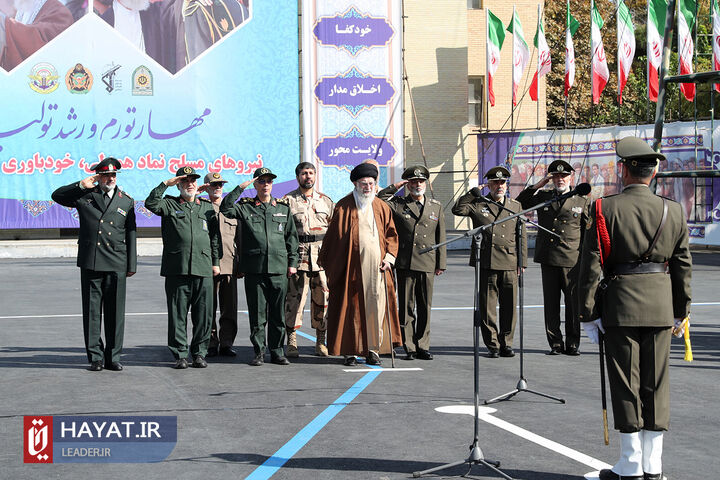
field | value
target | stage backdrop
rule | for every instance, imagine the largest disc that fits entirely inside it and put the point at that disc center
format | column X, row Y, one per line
column 592, row 153
column 229, row 106
column 352, row 89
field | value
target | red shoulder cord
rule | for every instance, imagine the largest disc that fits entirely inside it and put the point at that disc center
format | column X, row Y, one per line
column 602, row 233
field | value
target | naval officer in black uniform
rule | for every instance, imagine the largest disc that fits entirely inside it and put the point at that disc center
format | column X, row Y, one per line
column 106, row 257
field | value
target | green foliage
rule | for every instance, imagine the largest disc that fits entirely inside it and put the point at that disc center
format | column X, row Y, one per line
column 635, row 108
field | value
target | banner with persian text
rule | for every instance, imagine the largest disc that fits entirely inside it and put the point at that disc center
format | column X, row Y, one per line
column 591, row 152
column 160, row 85
column 352, row 89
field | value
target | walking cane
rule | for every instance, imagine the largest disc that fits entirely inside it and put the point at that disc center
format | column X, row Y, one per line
column 389, row 323
column 601, row 343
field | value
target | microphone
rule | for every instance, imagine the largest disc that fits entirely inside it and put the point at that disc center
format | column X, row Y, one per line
column 582, row 189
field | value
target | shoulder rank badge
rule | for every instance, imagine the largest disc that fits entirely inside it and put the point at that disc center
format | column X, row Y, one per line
column 122, row 212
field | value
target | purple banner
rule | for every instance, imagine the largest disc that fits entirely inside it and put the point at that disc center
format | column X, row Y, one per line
column 354, row 91
column 354, row 147
column 353, row 31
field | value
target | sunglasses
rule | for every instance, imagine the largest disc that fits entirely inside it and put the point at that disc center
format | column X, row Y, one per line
column 263, row 181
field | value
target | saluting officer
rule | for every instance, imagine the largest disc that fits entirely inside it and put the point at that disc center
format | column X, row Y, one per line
column 190, row 260
column 498, row 258
column 558, row 257
column 107, row 255
column 269, row 256
column 639, row 242
column 311, row 211
column 420, row 223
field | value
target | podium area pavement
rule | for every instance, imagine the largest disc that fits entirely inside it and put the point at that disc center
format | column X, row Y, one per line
column 317, row 419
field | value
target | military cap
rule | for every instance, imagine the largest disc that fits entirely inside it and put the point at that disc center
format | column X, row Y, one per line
column 187, row 172
column 635, row 151
column 561, row 167
column 363, row 170
column 263, row 172
column 498, row 173
column 109, row 165
column 214, row 178
column 417, row 172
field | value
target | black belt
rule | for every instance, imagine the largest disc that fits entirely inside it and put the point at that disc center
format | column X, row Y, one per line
column 638, row 267
column 310, row 238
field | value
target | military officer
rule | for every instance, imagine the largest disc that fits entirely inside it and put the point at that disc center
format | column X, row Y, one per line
column 190, row 260
column 311, row 211
column 224, row 284
column 498, row 258
column 558, row 257
column 107, row 255
column 420, row 223
column 269, row 256
column 639, row 242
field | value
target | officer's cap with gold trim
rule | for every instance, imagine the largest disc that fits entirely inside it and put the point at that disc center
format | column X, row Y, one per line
column 636, row 152
column 498, row 173
column 188, row 172
column 214, row 178
column 108, row 165
column 417, row 172
column 263, row 172
column 560, row 167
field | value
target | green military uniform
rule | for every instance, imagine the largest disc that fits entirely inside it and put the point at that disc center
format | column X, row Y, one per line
column 558, row 257
column 106, row 253
column 638, row 305
column 191, row 248
column 418, row 225
column 269, row 248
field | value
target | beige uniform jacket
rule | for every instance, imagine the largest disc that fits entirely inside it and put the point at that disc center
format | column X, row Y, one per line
column 312, row 216
column 231, row 237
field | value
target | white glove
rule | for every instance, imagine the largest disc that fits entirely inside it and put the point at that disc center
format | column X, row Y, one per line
column 678, row 329
column 592, row 330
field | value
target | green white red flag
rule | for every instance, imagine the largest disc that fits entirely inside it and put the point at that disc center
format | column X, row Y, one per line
column 686, row 46
column 626, row 46
column 600, row 72
column 494, row 41
column 544, row 61
column 716, row 38
column 521, row 53
column 571, row 26
column 657, row 10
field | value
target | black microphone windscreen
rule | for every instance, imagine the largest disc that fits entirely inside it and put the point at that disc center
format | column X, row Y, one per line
column 583, row 189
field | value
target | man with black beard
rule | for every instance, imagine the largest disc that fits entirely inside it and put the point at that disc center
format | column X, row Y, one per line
column 558, row 257
column 190, row 260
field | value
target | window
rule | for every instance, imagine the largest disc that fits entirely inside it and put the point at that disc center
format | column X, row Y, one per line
column 474, row 4
column 476, row 101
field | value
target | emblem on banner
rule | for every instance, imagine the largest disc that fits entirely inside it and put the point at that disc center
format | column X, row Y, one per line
column 78, row 79
column 142, row 81
column 38, row 436
column 110, row 78
column 43, row 78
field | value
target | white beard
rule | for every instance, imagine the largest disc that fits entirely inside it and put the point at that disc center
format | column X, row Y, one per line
column 418, row 192
column 185, row 194
column 138, row 5
column 363, row 200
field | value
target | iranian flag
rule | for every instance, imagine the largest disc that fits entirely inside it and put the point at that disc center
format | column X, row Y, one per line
column 686, row 47
column 716, row 38
column 493, row 42
column 626, row 46
column 521, row 53
column 543, row 59
column 600, row 72
column 657, row 10
column 571, row 26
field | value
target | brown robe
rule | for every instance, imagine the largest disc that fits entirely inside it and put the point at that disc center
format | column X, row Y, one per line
column 24, row 40
column 340, row 257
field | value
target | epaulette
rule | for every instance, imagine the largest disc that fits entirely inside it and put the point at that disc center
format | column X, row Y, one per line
column 432, row 200
column 203, row 199
column 283, row 201
column 125, row 194
column 246, row 200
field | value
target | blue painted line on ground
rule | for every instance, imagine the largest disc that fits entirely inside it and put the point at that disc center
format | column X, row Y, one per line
column 303, row 334
column 287, row 451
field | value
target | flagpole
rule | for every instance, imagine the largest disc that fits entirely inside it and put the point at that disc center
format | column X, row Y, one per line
column 567, row 22
column 697, row 86
column 647, row 66
column 592, row 58
column 487, row 69
column 537, row 51
column 619, row 34
column 512, row 86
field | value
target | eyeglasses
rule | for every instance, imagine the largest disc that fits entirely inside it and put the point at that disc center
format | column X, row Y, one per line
column 216, row 185
column 263, row 181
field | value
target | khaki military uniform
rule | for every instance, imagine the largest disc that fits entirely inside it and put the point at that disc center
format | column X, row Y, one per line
column 312, row 216
column 558, row 258
column 498, row 266
column 637, row 309
column 191, row 247
column 269, row 248
column 106, row 253
column 418, row 226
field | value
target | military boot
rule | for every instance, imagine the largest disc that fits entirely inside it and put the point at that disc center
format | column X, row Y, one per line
column 292, row 350
column 320, row 348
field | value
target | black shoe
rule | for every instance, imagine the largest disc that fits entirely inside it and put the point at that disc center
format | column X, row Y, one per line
column 654, row 476
column 114, row 366
column 607, row 474
column 199, row 362
column 257, row 361
column 506, row 352
column 227, row 352
column 373, row 359
column 411, row 356
column 181, row 364
column 492, row 353
column 350, row 361
column 96, row 366
column 556, row 350
column 212, row 352
column 424, row 355
column 280, row 360
column 572, row 350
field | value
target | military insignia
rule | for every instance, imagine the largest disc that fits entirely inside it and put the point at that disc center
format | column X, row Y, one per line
column 417, row 172
column 122, row 212
column 216, row 175
column 109, row 78
column 142, row 81
column 432, row 216
column 279, row 215
column 187, row 170
column 560, row 169
column 498, row 174
column 43, row 78
column 546, row 209
column 264, row 171
column 78, row 79
column 280, row 227
column 577, row 209
column 205, row 227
